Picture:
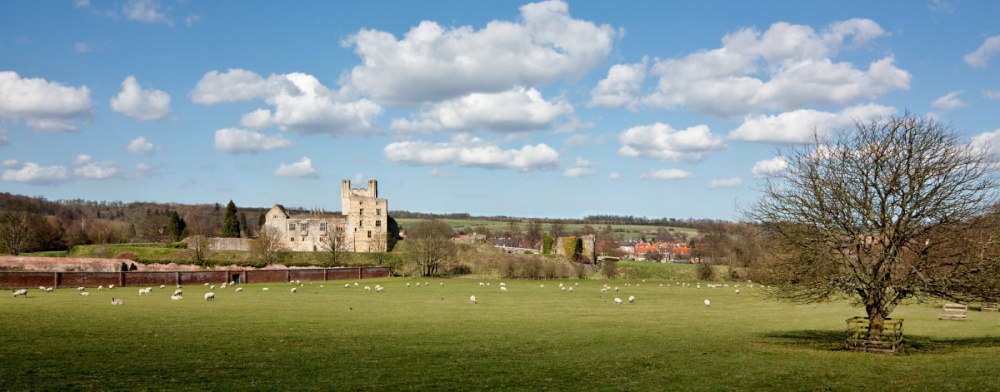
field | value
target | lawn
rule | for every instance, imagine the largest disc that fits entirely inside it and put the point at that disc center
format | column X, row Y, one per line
column 432, row 338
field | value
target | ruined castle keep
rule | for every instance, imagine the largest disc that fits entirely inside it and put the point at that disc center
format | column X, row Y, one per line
column 361, row 226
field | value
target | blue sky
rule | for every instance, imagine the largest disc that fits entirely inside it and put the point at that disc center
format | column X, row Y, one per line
column 548, row 109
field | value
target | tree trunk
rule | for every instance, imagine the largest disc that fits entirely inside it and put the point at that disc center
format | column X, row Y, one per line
column 876, row 322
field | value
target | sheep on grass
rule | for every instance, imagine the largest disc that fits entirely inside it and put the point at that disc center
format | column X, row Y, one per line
column 116, row 301
column 20, row 293
column 209, row 296
column 176, row 297
column 294, row 290
column 618, row 301
column 631, row 299
column 178, row 292
column 708, row 303
column 239, row 289
column 473, row 299
column 84, row 293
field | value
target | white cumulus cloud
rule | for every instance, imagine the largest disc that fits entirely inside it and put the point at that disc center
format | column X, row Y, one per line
column 786, row 67
column 948, row 102
column 989, row 141
column 514, row 110
column 467, row 151
column 799, row 126
column 662, row 142
column 235, row 140
column 667, row 174
column 140, row 104
column 301, row 104
column 769, row 167
column 621, row 87
column 33, row 173
column 434, row 63
column 145, row 11
column 41, row 104
column 581, row 168
column 302, row 168
column 725, row 182
column 140, row 146
column 984, row 53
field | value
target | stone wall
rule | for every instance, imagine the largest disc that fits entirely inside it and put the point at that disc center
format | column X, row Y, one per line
column 22, row 279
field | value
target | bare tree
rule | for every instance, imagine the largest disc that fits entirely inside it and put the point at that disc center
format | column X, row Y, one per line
column 16, row 231
column 267, row 246
column 379, row 245
column 334, row 245
column 199, row 244
column 430, row 244
column 893, row 209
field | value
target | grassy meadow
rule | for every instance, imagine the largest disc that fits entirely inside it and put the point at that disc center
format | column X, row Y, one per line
column 432, row 338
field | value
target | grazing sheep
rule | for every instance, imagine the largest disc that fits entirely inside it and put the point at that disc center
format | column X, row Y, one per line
column 209, row 296
column 379, row 289
column 81, row 288
column 212, row 287
column 294, row 290
column 176, row 297
column 84, row 293
column 223, row 286
column 502, row 284
column 355, row 284
column 571, row 289
column 562, row 289
column 116, row 301
column 206, row 284
column 541, row 286
column 560, row 285
column 481, row 284
column 178, row 292
column 618, row 301
column 418, row 284
column 48, row 289
column 737, row 291
column 145, row 291
column 616, row 288
column 631, row 299
column 708, row 303
column 347, row 286
column 239, row 289
column 407, row 284
column 370, row 289
column 163, row 286
column 111, row 286
column 41, row 288
column 503, row 289
column 264, row 289
column 442, row 283
column 20, row 293
column 473, row 299
column 101, row 287
column 604, row 290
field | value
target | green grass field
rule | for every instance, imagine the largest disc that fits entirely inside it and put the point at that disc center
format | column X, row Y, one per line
column 472, row 225
column 432, row 338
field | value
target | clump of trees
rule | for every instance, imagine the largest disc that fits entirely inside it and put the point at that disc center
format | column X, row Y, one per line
column 890, row 210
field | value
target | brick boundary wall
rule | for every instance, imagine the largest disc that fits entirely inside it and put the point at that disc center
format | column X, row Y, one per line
column 35, row 279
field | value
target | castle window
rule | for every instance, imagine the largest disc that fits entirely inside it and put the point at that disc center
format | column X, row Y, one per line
column 291, row 239
column 291, row 226
column 378, row 223
column 322, row 227
column 378, row 211
column 361, row 223
column 305, row 226
column 361, row 211
column 369, row 234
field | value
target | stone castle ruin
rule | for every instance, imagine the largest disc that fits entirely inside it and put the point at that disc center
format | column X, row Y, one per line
column 362, row 225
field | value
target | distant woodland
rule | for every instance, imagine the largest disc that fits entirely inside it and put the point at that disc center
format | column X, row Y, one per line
column 30, row 224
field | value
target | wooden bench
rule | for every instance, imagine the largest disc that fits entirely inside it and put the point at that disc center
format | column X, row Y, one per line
column 953, row 311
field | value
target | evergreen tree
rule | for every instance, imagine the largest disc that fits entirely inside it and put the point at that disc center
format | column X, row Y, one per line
column 231, row 225
column 177, row 228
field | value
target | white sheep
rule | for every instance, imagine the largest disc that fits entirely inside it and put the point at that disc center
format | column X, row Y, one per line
column 206, row 284
column 502, row 284
column 616, row 288
column 111, row 286
column 407, row 284
column 41, row 288
column 239, row 289
column 481, row 284
column 379, row 289
column 101, row 287
column 145, row 291
column 163, row 286
column 116, row 301
column 81, row 288
column 264, row 289
column 209, row 296
column 370, row 289
column 708, row 303
column 503, row 289
column 571, row 289
column 48, row 289
column 223, row 286
column 631, row 299
column 212, row 287
column 442, row 283
column 473, row 299
column 84, row 293
column 20, row 293
column 604, row 290
column 176, row 297
column 294, row 290
column 178, row 292
column 562, row 288
column 618, row 301
column 737, row 291
column 347, row 286
column 541, row 286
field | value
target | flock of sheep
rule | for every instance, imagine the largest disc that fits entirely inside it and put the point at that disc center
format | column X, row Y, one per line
column 210, row 296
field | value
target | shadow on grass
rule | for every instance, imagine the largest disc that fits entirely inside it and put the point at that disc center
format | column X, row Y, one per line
column 825, row 340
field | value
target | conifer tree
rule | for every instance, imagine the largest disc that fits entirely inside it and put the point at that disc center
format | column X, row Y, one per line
column 231, row 225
